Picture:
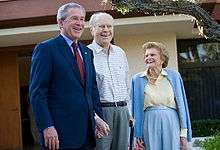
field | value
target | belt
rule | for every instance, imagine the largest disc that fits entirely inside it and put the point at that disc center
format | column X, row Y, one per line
column 114, row 104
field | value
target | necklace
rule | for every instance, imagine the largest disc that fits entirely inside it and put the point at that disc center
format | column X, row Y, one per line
column 152, row 80
column 152, row 77
column 153, row 74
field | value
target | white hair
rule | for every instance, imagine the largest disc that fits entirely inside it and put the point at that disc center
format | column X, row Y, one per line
column 96, row 16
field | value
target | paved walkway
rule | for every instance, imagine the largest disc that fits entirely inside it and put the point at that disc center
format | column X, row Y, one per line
column 194, row 146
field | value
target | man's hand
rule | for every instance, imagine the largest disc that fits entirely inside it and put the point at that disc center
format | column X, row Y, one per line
column 102, row 127
column 51, row 138
column 183, row 143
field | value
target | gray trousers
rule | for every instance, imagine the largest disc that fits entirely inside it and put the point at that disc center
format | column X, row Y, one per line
column 117, row 118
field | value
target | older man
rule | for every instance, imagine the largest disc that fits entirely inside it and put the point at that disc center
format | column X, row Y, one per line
column 63, row 88
column 112, row 77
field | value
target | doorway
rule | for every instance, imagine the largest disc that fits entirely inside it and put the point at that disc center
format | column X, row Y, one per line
column 199, row 65
column 29, row 130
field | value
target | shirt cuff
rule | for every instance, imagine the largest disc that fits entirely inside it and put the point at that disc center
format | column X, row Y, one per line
column 183, row 132
column 48, row 127
column 96, row 116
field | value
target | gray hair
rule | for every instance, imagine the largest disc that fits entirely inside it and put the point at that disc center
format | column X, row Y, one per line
column 162, row 50
column 62, row 11
column 96, row 16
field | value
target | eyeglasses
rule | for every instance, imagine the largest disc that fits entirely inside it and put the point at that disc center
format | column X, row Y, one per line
column 105, row 26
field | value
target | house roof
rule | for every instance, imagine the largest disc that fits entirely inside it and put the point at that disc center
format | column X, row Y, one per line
column 213, row 8
column 21, row 13
column 216, row 12
column 22, row 19
column 18, row 13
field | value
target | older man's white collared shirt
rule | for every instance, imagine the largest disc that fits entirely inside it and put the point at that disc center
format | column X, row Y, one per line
column 111, row 73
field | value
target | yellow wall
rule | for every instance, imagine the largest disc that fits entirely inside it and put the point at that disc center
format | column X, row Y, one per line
column 132, row 46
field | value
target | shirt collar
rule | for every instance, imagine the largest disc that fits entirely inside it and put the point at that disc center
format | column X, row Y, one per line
column 143, row 74
column 68, row 40
column 98, row 48
column 163, row 73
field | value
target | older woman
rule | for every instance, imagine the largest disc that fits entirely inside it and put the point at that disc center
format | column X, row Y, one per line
column 159, row 103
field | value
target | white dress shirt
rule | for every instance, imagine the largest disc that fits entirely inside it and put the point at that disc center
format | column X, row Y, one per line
column 111, row 73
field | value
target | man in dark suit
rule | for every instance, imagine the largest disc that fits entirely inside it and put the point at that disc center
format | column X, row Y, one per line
column 63, row 89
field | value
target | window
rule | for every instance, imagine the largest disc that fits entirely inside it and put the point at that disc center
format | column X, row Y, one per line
column 198, row 51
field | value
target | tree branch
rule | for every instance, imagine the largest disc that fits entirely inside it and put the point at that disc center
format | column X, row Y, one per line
column 211, row 29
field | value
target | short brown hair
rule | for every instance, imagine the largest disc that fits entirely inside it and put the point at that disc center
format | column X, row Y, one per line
column 161, row 48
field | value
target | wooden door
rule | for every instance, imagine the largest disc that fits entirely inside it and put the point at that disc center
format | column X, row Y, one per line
column 10, row 118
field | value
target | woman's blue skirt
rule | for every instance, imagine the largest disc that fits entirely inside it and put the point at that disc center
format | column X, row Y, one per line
column 161, row 128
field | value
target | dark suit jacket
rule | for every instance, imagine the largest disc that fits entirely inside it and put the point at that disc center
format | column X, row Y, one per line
column 58, row 96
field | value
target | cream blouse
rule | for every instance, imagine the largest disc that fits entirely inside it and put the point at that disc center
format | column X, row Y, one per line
column 161, row 94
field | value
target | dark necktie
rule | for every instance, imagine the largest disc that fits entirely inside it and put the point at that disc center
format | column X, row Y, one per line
column 79, row 61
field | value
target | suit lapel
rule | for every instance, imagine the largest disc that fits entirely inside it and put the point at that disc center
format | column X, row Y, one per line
column 68, row 55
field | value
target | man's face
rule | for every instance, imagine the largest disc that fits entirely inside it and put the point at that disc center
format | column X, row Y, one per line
column 74, row 23
column 103, row 31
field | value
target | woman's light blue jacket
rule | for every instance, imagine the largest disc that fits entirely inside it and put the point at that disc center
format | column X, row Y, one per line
column 138, row 84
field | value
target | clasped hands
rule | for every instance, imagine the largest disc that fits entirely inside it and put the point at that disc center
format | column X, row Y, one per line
column 51, row 140
column 102, row 127
column 51, row 137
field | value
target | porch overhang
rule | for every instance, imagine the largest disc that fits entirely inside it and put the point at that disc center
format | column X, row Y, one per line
column 182, row 25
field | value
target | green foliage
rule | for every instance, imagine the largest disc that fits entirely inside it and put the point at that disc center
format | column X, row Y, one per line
column 212, row 49
column 202, row 128
column 123, row 8
column 120, row 1
column 206, row 24
column 212, row 143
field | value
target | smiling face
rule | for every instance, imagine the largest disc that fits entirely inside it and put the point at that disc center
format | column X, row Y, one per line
column 153, row 58
column 73, row 25
column 103, row 31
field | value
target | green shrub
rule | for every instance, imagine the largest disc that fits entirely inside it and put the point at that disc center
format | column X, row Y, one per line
column 202, row 128
column 212, row 143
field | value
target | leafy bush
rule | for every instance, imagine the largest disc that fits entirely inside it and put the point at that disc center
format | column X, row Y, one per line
column 201, row 128
column 212, row 143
